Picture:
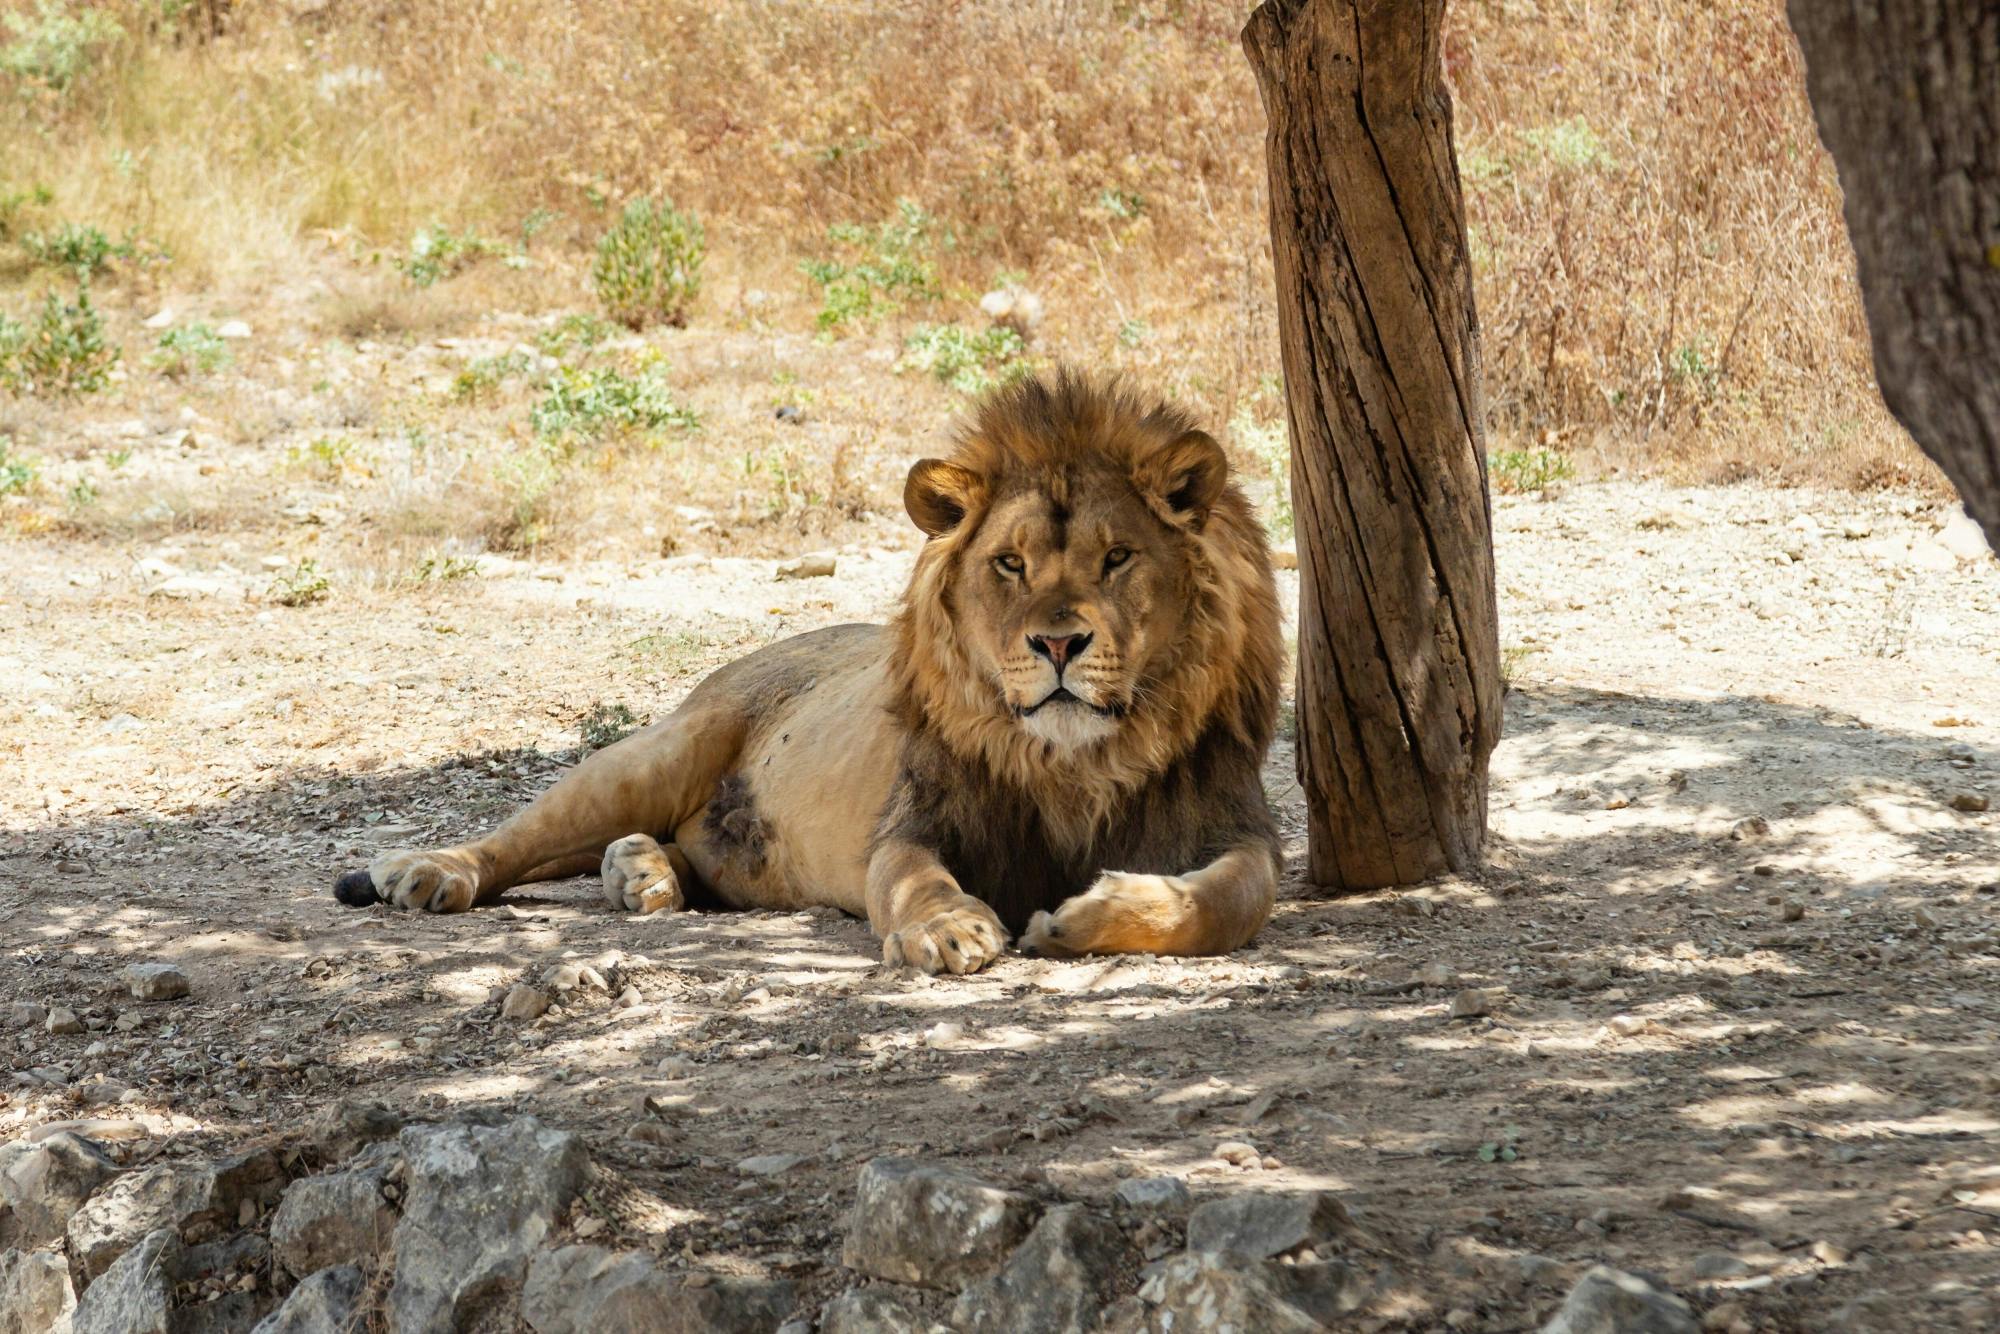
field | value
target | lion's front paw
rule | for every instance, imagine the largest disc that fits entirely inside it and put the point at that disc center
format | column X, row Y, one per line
column 960, row 940
column 1122, row 913
column 446, row 881
column 639, row 876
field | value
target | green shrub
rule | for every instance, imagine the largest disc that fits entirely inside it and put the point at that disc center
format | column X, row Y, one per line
column 572, row 333
column 884, row 268
column 483, row 375
column 589, row 404
column 1529, row 471
column 14, row 203
column 648, row 265
column 301, row 586
column 968, row 362
column 63, row 353
column 189, row 349
column 82, row 249
column 17, row 471
column 437, row 252
column 55, row 47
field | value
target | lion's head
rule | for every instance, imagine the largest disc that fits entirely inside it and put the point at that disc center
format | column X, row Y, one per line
column 1094, row 594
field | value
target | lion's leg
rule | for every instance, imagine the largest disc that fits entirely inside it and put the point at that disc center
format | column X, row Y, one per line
column 925, row 920
column 652, row 780
column 1211, row 911
column 643, row 875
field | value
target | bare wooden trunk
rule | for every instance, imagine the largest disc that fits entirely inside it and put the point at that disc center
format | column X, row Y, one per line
column 1907, row 95
column 1399, row 661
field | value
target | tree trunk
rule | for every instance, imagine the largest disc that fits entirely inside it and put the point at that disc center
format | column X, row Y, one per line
column 1399, row 659
column 1907, row 95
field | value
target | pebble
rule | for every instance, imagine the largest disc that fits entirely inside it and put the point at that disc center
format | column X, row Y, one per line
column 1749, row 828
column 524, row 1002
column 1970, row 802
column 1791, row 910
column 818, row 565
column 26, row 1014
column 1629, row 1025
column 943, row 1034
column 233, row 329
column 770, row 1164
column 628, row 998
column 1829, row 1254
column 1719, row 1264
column 1437, row 975
column 154, row 981
column 1472, row 1003
column 62, row 1019
column 1239, row 1154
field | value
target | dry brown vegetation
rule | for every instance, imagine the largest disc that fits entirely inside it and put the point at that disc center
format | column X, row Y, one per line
column 1662, row 272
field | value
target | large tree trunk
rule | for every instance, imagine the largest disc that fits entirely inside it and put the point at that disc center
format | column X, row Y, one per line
column 1907, row 95
column 1399, row 660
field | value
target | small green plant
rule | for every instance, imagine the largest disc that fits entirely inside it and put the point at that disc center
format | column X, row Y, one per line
column 437, row 252
column 603, row 724
column 13, row 203
column 17, row 470
column 1570, row 144
column 328, row 457
column 1122, row 204
column 439, row 567
column 82, row 249
column 529, row 476
column 1692, row 365
column 483, row 375
column 970, row 363
column 63, row 353
column 56, row 46
column 648, row 266
column 1529, row 471
column 1506, row 1149
column 117, row 459
column 884, row 268
column 190, row 349
column 1132, row 333
column 572, row 333
column 300, row 586
column 83, row 494
column 1270, row 444
column 588, row 404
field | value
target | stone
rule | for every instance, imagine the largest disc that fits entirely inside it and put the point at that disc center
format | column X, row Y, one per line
column 524, row 1002
column 337, row 1218
column 1071, row 1266
column 1238, row 1153
column 326, row 1303
column 344, row 1128
column 873, row 1311
column 1261, row 1225
column 917, row 1223
column 478, row 1201
column 1719, row 1264
column 186, row 1198
column 771, row 1164
column 233, row 329
column 154, row 981
column 1436, row 974
column 132, row 1294
column 1472, row 1003
column 1611, row 1301
column 1962, row 538
column 1970, row 802
column 63, row 1020
column 817, row 565
column 46, row 1183
column 1154, row 1193
column 1209, row 1292
column 26, row 1014
column 587, row 1289
column 35, row 1292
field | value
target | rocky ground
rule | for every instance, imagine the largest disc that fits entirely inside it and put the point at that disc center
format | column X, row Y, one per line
column 1722, row 1012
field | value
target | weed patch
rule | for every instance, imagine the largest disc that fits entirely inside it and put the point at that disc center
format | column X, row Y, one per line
column 648, row 266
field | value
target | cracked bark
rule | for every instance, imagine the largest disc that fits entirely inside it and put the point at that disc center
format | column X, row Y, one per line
column 1907, row 96
column 1399, row 661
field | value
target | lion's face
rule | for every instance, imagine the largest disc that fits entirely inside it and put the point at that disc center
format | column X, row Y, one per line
column 1070, row 575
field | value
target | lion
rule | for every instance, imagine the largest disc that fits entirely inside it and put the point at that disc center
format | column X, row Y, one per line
column 1059, row 737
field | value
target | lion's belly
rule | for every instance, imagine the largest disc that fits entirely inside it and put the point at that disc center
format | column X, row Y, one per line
column 790, row 827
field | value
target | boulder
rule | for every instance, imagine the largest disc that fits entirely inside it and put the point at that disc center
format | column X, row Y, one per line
column 1264, row 1224
column 348, row 1126
column 591, row 1290
column 1070, row 1267
column 1611, row 1301
column 154, row 981
column 337, row 1218
column 917, row 1223
column 46, row 1183
column 1211, row 1291
column 1154, row 1194
column 478, row 1201
column 874, row 1311
column 132, row 1294
column 35, row 1292
column 325, row 1303
column 192, row 1199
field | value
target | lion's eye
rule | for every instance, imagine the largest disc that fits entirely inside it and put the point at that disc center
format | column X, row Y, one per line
column 1116, row 557
column 1009, row 564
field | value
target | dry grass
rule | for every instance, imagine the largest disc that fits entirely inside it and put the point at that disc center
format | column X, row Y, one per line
column 1662, row 273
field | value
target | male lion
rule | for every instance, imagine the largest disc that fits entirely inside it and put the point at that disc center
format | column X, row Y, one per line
column 1059, row 735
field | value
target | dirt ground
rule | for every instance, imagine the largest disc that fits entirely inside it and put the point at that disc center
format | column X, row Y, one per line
column 1737, row 947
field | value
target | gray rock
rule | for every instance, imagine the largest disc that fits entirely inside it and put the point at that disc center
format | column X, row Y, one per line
column 35, row 1293
column 874, row 1311
column 1056, row 1282
column 524, row 1002
column 63, row 1020
column 44, row 1184
column 322, row 1304
column 348, row 1126
column 1262, row 1225
column 1155, row 1194
column 154, row 981
column 26, row 1014
column 478, row 1202
column 191, row 1199
column 1611, row 1301
column 1209, row 1291
column 334, row 1219
column 588, row 1290
column 915, row 1223
column 131, row 1296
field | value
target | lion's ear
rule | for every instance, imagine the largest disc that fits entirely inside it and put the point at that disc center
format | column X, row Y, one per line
column 939, row 495
column 1187, row 475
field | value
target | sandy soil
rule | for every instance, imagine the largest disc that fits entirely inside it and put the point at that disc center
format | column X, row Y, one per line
column 1737, row 946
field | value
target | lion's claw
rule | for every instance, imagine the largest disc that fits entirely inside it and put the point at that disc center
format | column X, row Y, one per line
column 961, row 940
column 432, row 881
column 639, row 877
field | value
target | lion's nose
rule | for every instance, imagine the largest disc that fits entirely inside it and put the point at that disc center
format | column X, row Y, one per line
column 1059, row 649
